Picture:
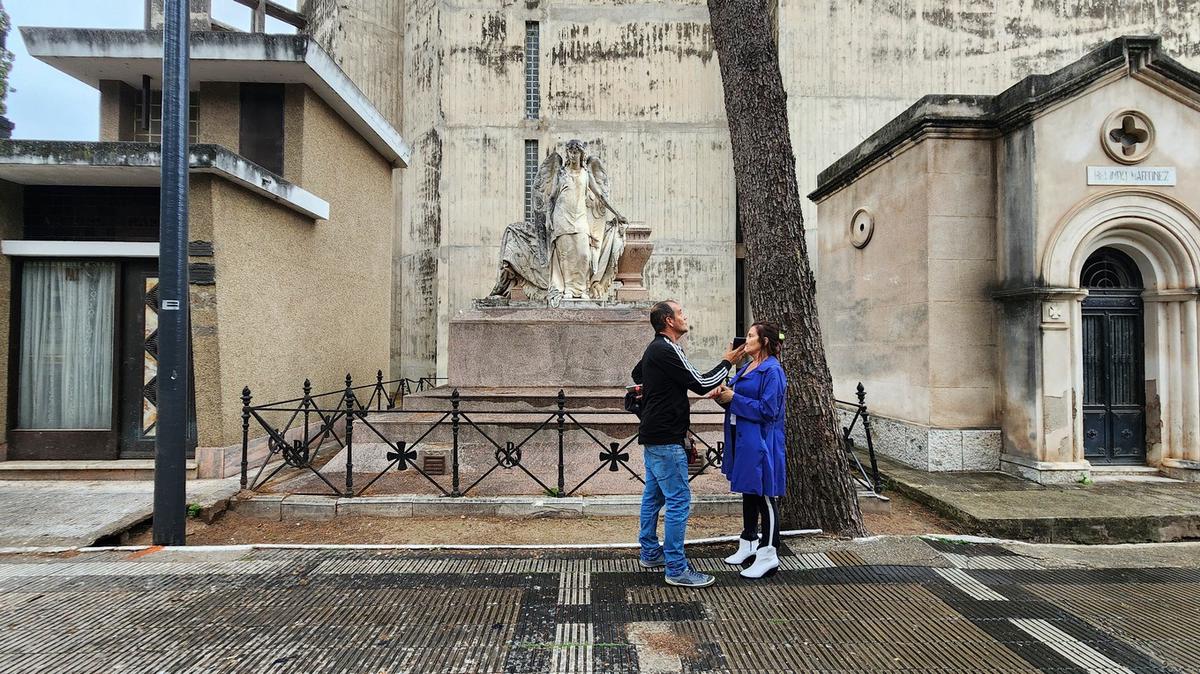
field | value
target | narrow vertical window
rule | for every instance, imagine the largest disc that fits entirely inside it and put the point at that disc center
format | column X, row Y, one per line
column 533, row 100
column 531, row 168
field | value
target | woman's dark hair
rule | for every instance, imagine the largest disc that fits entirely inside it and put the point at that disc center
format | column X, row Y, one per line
column 768, row 334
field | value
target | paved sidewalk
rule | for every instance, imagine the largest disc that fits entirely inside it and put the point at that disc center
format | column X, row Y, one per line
column 895, row 604
column 1001, row 505
column 70, row 513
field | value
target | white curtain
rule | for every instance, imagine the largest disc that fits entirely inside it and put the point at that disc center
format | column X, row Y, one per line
column 66, row 366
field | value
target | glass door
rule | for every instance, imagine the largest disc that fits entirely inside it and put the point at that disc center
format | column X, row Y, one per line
column 65, row 370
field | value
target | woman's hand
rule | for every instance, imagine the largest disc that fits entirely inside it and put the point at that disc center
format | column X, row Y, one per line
column 722, row 394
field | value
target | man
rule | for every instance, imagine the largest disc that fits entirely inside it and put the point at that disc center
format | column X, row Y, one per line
column 666, row 376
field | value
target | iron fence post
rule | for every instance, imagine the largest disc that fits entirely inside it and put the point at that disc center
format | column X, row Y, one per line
column 861, row 392
column 306, row 404
column 454, row 400
column 562, row 405
column 349, row 437
column 379, row 389
column 245, row 433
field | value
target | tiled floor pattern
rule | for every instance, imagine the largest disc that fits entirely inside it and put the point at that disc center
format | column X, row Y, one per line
column 983, row 609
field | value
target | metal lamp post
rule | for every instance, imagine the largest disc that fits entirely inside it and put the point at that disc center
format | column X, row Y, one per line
column 170, row 453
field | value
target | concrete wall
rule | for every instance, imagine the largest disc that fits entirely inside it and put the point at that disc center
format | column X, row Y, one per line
column 874, row 302
column 642, row 78
column 626, row 82
column 418, row 292
column 910, row 314
column 963, row 377
column 294, row 298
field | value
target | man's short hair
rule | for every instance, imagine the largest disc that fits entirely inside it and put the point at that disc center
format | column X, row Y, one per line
column 659, row 314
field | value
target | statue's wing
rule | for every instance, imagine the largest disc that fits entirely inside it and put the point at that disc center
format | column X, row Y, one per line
column 599, row 175
column 545, row 191
column 546, row 182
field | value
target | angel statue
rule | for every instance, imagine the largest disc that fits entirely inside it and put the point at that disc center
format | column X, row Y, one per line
column 570, row 248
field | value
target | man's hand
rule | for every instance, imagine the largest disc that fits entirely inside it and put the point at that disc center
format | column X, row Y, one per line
column 722, row 394
column 734, row 355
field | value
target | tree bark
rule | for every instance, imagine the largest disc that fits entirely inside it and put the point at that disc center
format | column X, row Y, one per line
column 820, row 492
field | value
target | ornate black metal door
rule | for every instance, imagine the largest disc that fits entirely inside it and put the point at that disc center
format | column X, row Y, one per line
column 139, row 362
column 1113, row 377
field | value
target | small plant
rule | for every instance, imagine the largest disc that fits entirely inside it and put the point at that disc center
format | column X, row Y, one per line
column 1084, row 479
column 193, row 510
column 553, row 492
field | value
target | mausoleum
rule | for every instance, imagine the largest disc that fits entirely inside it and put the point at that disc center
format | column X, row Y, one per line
column 1014, row 277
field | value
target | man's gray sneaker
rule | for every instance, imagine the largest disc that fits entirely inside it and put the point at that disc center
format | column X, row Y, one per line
column 656, row 562
column 691, row 578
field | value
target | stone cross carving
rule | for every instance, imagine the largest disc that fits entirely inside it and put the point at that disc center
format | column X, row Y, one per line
column 1129, row 135
column 572, row 247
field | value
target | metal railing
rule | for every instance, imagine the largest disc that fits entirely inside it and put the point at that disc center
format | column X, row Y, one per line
column 316, row 427
column 870, row 482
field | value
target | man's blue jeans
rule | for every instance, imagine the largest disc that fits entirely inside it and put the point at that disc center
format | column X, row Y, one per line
column 666, row 484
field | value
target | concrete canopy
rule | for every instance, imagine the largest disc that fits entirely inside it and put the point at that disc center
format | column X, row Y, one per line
column 91, row 55
column 139, row 165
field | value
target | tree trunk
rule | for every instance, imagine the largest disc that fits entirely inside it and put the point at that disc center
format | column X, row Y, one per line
column 780, row 280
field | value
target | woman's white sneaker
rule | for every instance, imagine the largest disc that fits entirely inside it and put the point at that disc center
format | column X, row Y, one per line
column 765, row 561
column 745, row 551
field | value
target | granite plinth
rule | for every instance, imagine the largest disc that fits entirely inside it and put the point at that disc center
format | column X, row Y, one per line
column 583, row 344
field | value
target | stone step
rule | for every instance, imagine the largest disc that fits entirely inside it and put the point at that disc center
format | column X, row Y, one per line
column 122, row 469
column 516, row 427
column 1107, row 474
column 593, row 399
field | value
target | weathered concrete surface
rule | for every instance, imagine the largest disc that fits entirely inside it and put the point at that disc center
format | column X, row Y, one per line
column 73, row 513
column 1000, row 505
column 641, row 80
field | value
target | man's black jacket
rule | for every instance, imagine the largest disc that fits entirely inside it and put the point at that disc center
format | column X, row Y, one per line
column 666, row 377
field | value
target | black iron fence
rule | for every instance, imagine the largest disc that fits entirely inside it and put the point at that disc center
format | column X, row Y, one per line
column 867, row 481
column 305, row 433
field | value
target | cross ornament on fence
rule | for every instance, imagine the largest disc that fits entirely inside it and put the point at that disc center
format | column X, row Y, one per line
column 402, row 456
column 614, row 457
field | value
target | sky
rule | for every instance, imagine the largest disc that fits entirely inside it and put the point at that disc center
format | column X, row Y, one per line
column 50, row 105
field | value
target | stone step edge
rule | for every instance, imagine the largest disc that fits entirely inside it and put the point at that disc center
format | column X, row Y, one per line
column 280, row 507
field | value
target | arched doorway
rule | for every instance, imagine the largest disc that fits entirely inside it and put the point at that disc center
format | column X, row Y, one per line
column 1114, row 412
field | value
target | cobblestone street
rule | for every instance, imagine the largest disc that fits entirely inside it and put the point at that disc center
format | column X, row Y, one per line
column 893, row 604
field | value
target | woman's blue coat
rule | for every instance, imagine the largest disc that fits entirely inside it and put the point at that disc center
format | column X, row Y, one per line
column 754, row 447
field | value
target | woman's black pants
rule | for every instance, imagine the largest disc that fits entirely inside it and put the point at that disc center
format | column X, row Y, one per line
column 756, row 508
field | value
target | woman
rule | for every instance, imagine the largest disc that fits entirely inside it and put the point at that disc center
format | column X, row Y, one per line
column 754, row 449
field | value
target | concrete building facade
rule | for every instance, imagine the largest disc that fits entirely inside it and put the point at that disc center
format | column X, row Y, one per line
column 480, row 86
column 291, row 220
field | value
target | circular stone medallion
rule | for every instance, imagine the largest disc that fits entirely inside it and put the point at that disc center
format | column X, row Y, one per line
column 862, row 226
column 1127, row 136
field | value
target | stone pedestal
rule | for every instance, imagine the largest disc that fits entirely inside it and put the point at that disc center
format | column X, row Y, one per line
column 632, row 264
column 516, row 344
